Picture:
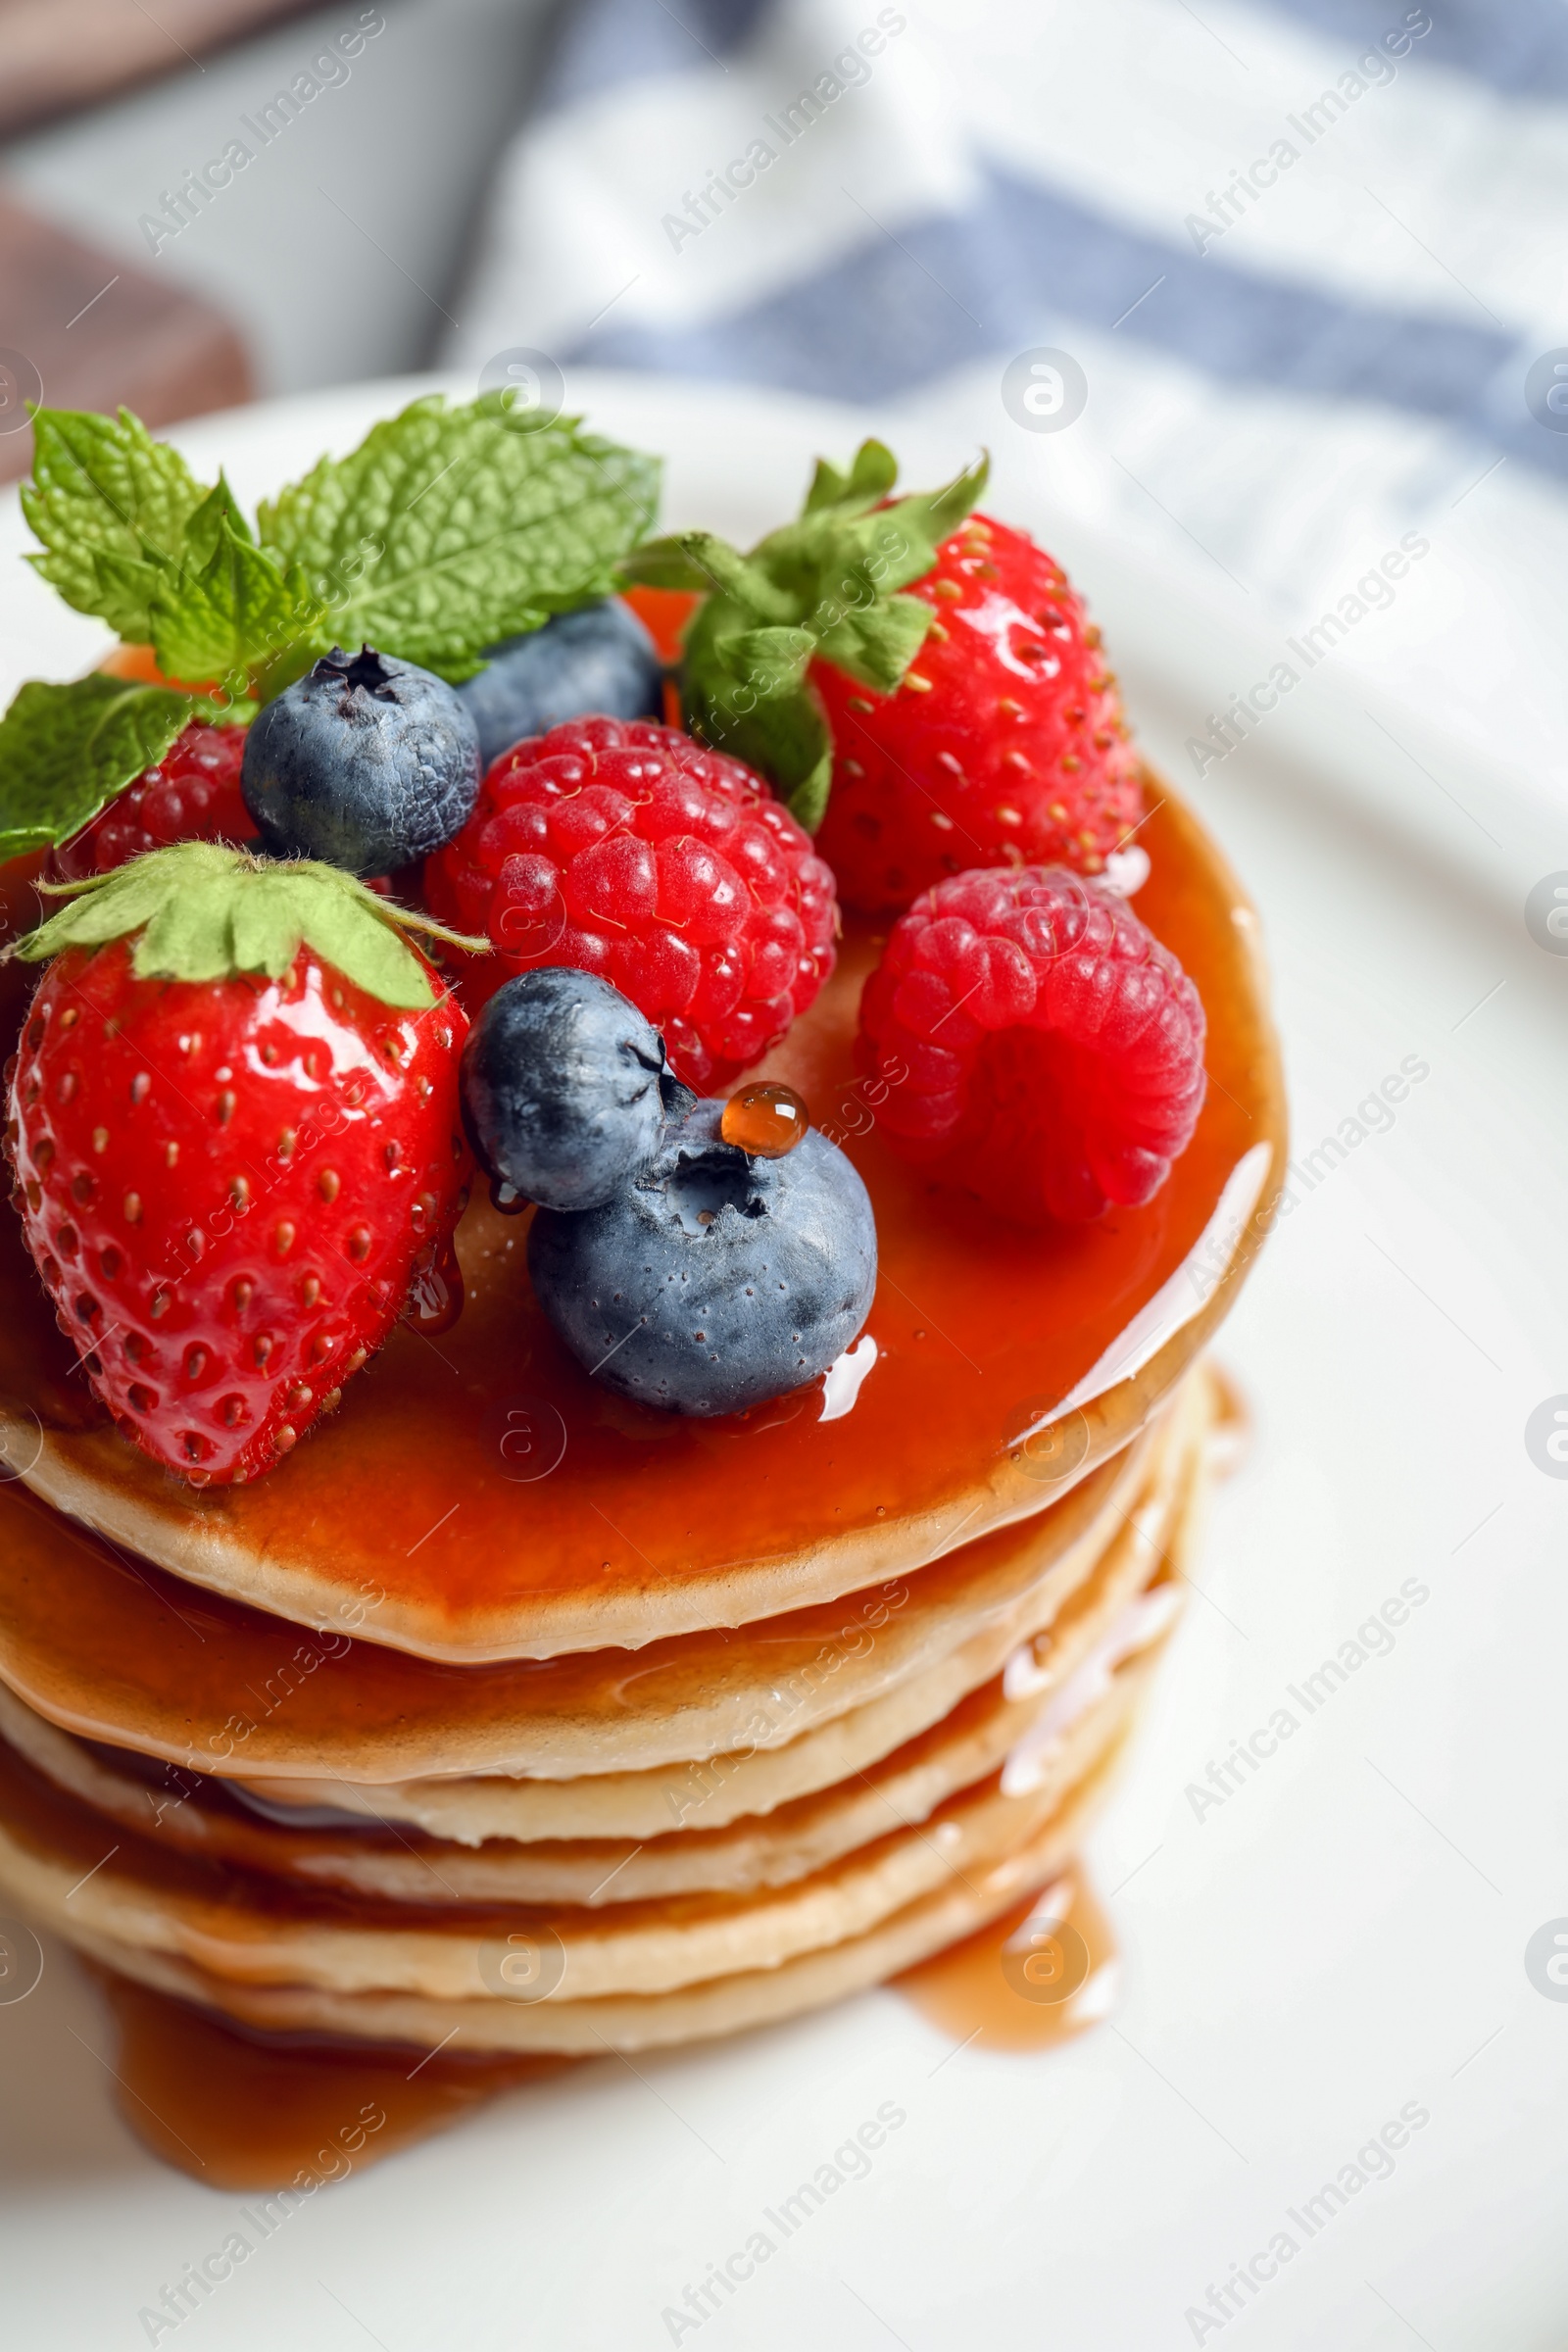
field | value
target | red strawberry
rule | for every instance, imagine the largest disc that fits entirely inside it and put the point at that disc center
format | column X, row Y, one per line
column 627, row 850
column 192, row 795
column 233, row 1123
column 1003, row 746
column 1042, row 1047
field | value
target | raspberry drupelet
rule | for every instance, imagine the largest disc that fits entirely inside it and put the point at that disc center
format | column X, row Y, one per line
column 627, row 849
column 192, row 794
column 1044, row 1048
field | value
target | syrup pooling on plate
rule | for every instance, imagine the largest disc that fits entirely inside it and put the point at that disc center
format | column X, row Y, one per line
column 1041, row 1973
column 648, row 1524
column 245, row 2110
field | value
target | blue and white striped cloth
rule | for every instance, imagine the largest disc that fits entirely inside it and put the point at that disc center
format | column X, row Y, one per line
column 1306, row 253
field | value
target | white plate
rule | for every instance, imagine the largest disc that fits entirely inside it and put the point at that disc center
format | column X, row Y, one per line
column 1340, row 1938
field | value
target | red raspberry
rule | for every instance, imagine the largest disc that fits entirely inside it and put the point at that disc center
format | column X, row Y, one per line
column 627, row 849
column 1005, row 745
column 192, row 795
column 1040, row 1043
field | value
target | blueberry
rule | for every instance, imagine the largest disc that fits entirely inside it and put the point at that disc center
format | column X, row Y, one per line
column 599, row 659
column 365, row 762
column 713, row 1280
column 566, row 1089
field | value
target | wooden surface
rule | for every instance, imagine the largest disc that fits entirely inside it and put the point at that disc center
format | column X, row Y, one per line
column 99, row 332
column 57, row 56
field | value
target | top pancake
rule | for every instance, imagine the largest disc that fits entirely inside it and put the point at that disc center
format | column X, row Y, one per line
column 479, row 1498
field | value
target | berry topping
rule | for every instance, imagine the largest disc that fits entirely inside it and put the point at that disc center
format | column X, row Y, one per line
column 671, row 871
column 365, row 762
column 1039, row 1044
column 826, row 585
column 599, row 658
column 714, row 1280
column 766, row 1120
column 235, row 1130
column 565, row 1089
column 192, row 794
column 1004, row 745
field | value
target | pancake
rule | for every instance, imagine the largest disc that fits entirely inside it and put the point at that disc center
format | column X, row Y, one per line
column 477, row 1498
column 119, row 1653
column 636, row 2021
column 242, row 1927
column 982, row 1735
column 610, row 1810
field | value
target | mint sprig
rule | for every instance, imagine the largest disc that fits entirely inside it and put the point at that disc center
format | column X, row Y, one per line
column 446, row 530
column 451, row 529
column 204, row 912
column 65, row 751
column 826, row 586
column 103, row 493
column 234, row 616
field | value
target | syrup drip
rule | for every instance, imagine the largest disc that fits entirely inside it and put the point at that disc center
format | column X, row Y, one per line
column 506, row 1200
column 436, row 1291
column 1041, row 1974
column 240, row 2109
column 244, row 2110
column 1231, row 1436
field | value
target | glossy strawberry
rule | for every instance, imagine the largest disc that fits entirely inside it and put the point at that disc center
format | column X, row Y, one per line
column 233, row 1125
column 1004, row 745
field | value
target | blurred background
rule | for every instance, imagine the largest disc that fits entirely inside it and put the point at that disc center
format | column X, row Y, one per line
column 1270, row 295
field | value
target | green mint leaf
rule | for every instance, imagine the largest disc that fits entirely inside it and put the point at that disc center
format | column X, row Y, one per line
column 203, row 913
column 205, row 527
column 448, row 529
column 126, row 585
column 65, row 751
column 237, row 613
column 445, row 531
column 103, row 488
column 222, row 709
column 825, row 586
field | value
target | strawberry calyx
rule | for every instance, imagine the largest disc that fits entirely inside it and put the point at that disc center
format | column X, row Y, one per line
column 826, row 586
column 205, row 912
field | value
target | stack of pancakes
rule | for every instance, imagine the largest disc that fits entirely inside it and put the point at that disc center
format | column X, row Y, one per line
column 510, row 1712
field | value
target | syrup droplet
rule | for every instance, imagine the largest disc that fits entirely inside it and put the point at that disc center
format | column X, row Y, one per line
column 435, row 1289
column 506, row 1199
column 765, row 1122
column 1043, row 1972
